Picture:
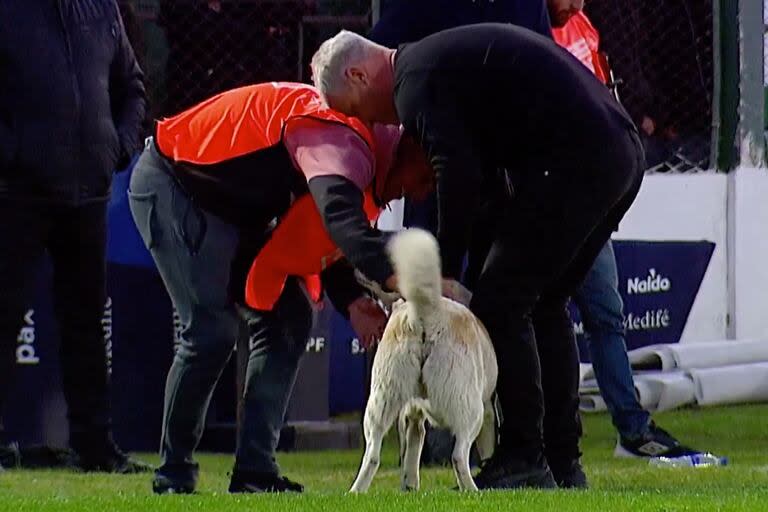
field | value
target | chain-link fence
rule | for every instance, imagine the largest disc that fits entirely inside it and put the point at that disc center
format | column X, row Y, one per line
column 662, row 51
column 193, row 49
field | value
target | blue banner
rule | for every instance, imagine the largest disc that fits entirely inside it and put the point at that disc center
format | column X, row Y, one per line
column 658, row 282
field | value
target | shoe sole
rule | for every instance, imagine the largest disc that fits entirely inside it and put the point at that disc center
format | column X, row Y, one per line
column 259, row 490
column 168, row 492
column 620, row 452
column 543, row 482
column 171, row 487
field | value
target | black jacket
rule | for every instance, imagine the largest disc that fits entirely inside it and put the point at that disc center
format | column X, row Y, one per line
column 496, row 96
column 71, row 99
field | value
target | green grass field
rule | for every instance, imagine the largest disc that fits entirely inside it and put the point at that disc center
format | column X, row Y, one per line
column 737, row 432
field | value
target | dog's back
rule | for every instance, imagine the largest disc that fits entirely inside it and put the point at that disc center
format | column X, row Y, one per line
column 435, row 360
column 448, row 340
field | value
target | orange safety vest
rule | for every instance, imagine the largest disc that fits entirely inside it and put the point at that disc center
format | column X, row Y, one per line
column 582, row 40
column 299, row 246
column 250, row 119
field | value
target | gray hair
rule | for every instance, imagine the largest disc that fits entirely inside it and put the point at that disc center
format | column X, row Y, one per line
column 334, row 57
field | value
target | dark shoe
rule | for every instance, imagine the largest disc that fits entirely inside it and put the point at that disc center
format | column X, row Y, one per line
column 162, row 484
column 110, row 460
column 46, row 457
column 569, row 475
column 655, row 443
column 503, row 472
column 35, row 457
column 176, row 478
column 10, row 455
column 255, row 482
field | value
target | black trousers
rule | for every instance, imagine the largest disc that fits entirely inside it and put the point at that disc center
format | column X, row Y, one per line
column 545, row 243
column 75, row 239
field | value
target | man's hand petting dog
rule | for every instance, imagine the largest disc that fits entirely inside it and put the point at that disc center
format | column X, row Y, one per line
column 368, row 320
column 454, row 290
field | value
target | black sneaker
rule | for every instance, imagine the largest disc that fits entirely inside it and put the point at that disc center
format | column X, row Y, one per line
column 10, row 455
column 569, row 475
column 162, row 484
column 501, row 472
column 176, row 478
column 109, row 460
column 255, row 482
column 657, row 442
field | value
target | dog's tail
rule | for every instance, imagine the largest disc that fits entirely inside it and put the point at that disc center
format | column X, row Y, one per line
column 416, row 258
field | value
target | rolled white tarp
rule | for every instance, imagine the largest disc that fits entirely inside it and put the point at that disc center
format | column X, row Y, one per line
column 592, row 402
column 662, row 391
column 731, row 384
column 709, row 354
column 652, row 357
column 675, row 375
column 719, row 353
column 656, row 391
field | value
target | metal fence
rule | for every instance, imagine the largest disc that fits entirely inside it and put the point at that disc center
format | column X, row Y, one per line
column 193, row 49
column 662, row 51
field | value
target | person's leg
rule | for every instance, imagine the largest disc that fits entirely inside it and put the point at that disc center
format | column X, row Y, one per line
column 277, row 341
column 533, row 247
column 563, row 429
column 540, row 252
column 560, row 366
column 601, row 308
column 600, row 305
column 193, row 251
column 22, row 243
column 559, row 360
column 78, row 251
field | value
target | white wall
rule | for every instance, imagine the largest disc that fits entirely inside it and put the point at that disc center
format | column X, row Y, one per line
column 688, row 207
column 750, row 248
column 391, row 219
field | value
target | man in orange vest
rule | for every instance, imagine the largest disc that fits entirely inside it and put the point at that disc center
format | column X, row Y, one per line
column 246, row 182
column 600, row 303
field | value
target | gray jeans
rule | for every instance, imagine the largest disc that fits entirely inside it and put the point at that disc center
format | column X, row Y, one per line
column 194, row 251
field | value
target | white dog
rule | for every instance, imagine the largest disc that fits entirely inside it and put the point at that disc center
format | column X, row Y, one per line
column 435, row 361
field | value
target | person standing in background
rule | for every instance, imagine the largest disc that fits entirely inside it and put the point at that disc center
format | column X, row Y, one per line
column 71, row 104
column 598, row 298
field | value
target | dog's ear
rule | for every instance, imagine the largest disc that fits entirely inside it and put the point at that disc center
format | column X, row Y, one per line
column 385, row 298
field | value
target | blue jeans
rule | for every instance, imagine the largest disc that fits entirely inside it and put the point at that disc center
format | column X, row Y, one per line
column 601, row 308
column 194, row 252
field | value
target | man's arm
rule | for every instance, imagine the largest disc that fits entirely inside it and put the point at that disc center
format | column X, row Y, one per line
column 340, row 203
column 339, row 165
column 350, row 300
column 431, row 116
column 128, row 96
column 341, row 286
